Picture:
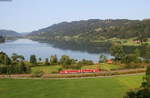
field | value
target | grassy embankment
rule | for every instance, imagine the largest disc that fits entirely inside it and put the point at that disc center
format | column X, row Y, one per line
column 51, row 69
column 114, row 87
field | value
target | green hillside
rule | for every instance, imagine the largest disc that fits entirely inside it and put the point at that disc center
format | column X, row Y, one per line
column 94, row 29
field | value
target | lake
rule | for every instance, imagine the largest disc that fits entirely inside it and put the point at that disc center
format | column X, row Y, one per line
column 27, row 47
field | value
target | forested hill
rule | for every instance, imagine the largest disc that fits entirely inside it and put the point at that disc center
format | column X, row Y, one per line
column 9, row 33
column 94, row 29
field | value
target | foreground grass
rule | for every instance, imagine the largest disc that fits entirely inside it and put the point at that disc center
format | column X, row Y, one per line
column 114, row 87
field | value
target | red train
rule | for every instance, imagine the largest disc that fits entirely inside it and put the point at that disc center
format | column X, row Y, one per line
column 79, row 71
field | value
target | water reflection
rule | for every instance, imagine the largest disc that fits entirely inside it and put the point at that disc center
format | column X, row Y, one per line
column 27, row 47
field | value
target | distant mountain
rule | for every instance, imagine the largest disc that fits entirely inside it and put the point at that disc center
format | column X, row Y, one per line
column 24, row 33
column 9, row 33
column 94, row 29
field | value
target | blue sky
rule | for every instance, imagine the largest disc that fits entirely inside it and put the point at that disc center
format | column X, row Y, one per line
column 29, row 15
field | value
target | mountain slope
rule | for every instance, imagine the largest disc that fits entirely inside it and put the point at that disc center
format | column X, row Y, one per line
column 94, row 29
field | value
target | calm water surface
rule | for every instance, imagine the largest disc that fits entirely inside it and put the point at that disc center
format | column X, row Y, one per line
column 28, row 47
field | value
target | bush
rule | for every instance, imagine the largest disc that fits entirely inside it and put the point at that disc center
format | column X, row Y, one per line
column 144, row 91
column 85, row 62
column 102, row 58
column 3, row 69
column 38, row 73
column 139, row 93
column 134, row 65
column 73, row 67
column 66, row 61
column 60, row 69
column 54, row 72
column 18, row 68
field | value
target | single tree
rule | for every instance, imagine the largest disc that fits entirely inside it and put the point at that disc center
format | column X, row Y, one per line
column 65, row 61
column 102, row 58
column 46, row 61
column 53, row 60
column 33, row 59
column 117, row 51
column 40, row 59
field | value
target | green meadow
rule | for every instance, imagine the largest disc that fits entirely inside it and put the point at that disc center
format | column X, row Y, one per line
column 106, row 87
column 51, row 69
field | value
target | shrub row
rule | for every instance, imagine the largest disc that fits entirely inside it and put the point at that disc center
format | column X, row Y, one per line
column 106, row 73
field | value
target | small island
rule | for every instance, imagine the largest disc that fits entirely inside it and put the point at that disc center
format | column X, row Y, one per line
column 2, row 39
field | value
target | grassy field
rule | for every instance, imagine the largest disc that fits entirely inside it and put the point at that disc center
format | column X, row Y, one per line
column 46, row 69
column 51, row 69
column 103, row 66
column 114, row 87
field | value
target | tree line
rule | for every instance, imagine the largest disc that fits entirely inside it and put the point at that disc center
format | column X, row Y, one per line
column 16, row 64
column 13, row 65
column 65, row 61
column 138, row 55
